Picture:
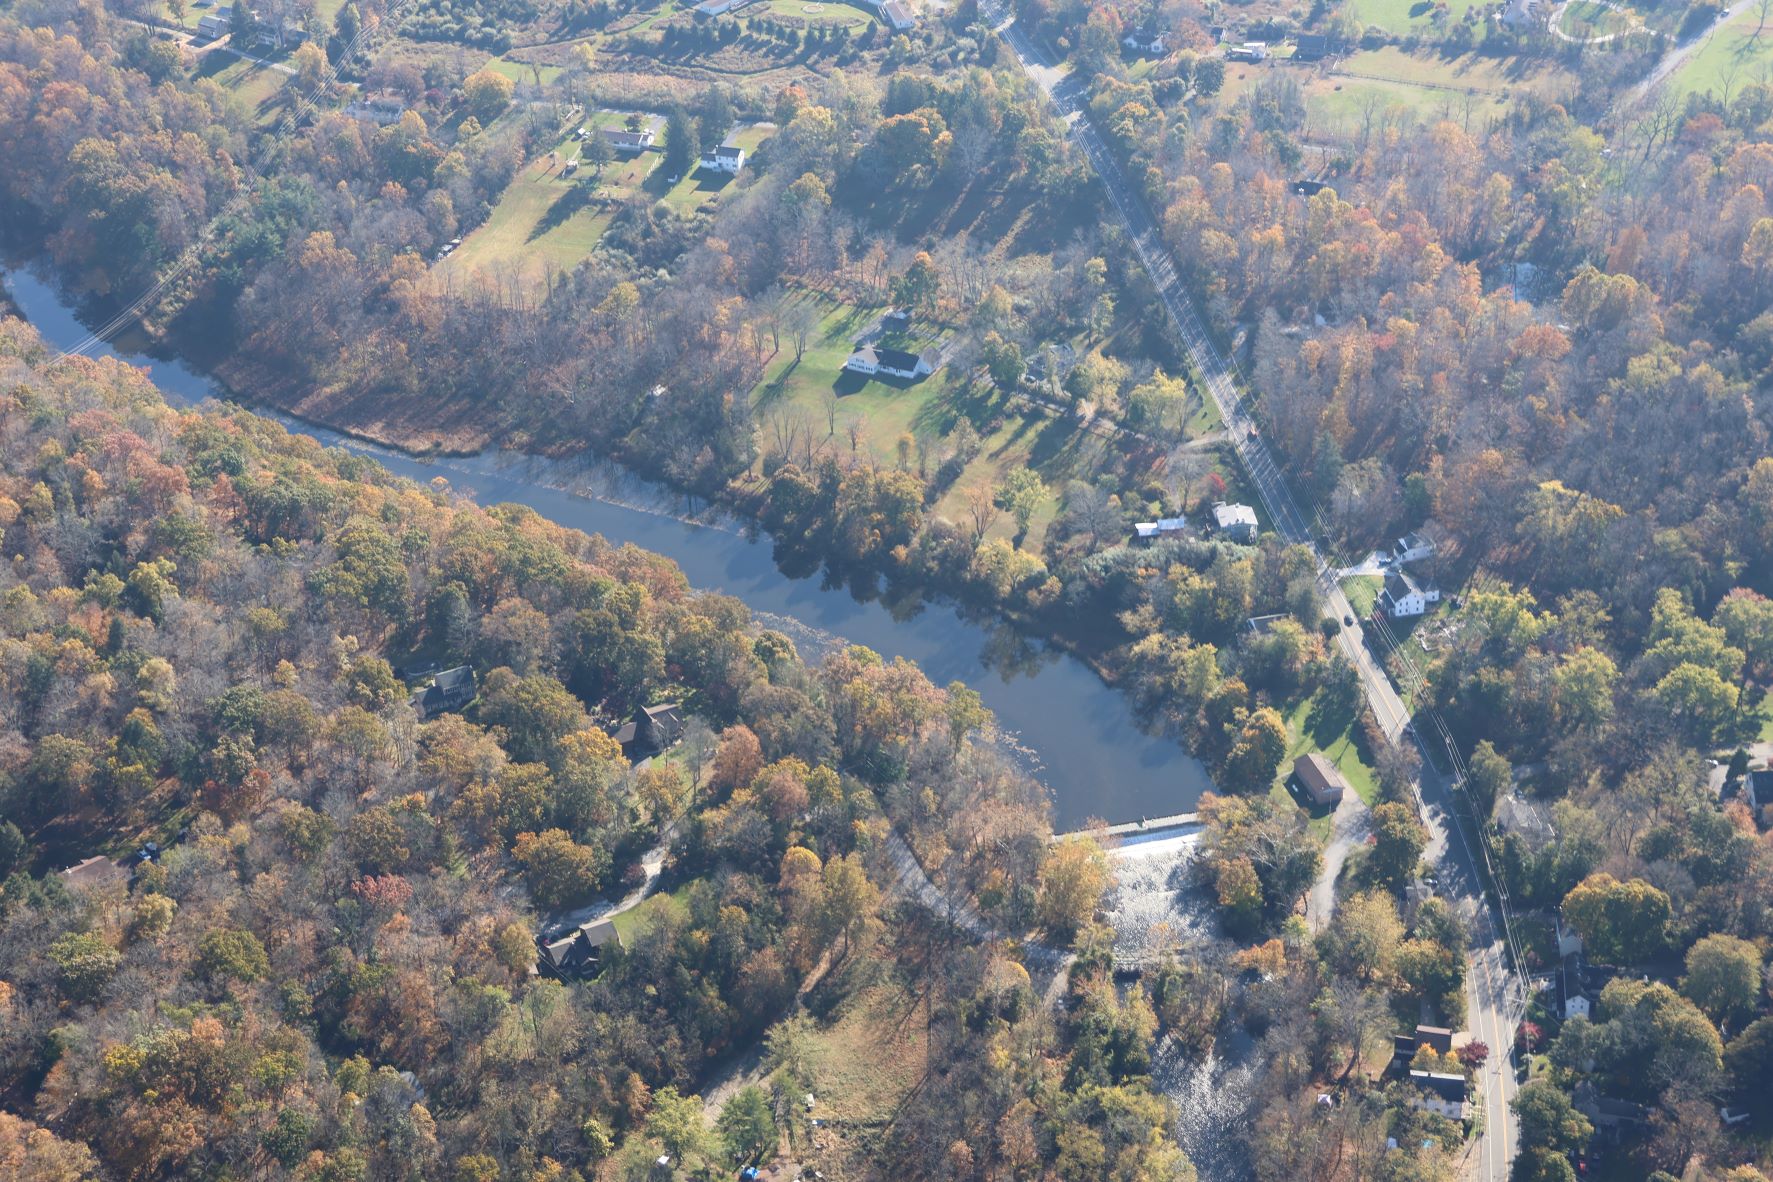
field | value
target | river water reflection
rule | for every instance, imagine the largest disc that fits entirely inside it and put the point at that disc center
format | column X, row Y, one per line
column 1072, row 732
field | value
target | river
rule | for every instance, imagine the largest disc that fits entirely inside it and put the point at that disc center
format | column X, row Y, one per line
column 1069, row 729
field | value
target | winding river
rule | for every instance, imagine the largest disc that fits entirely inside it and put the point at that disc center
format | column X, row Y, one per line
column 1070, row 730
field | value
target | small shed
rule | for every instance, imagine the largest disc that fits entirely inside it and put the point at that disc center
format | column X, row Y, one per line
column 1163, row 527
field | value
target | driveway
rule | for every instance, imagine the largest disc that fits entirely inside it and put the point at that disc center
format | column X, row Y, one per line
column 1349, row 826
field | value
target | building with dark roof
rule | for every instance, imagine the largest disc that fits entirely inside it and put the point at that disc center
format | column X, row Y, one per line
column 1405, row 595
column 1441, row 1092
column 727, row 158
column 450, row 690
column 579, row 953
column 652, row 730
column 898, row 363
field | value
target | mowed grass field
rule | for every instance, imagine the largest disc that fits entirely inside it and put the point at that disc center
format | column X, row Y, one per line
column 1390, row 85
column 255, row 86
column 1408, row 16
column 832, row 12
column 546, row 220
column 1731, row 55
column 885, row 409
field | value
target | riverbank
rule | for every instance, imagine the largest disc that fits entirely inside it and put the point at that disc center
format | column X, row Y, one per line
column 1070, row 728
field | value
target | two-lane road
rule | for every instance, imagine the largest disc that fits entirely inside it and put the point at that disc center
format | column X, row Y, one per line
column 1490, row 987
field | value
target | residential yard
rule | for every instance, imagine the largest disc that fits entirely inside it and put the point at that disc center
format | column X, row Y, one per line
column 703, row 187
column 1730, row 56
column 1311, row 726
column 631, row 924
column 816, row 392
column 256, row 86
column 546, row 221
column 1363, row 592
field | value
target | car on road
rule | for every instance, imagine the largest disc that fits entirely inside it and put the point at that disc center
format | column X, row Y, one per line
column 1348, row 620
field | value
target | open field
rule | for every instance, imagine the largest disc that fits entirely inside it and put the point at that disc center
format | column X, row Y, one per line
column 1367, row 88
column 1409, row 16
column 831, row 12
column 885, row 409
column 545, row 220
column 522, row 71
column 1310, row 727
column 255, row 85
column 1732, row 55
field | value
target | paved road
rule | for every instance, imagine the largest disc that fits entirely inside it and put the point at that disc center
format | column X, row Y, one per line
column 1491, row 989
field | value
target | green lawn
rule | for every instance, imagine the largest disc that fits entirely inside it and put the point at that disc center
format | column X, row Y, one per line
column 548, row 221
column 1729, row 57
column 1408, row 16
column 1310, row 727
column 1363, row 593
column 255, row 86
column 1367, row 88
column 522, row 71
column 817, row 392
column 702, row 188
column 830, row 12
column 1585, row 18
column 630, row 924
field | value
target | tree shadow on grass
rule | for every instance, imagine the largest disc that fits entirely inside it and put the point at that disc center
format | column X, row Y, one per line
column 575, row 198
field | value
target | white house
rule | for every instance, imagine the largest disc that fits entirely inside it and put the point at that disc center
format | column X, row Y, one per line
column 1249, row 51
column 1163, row 527
column 1237, row 522
column 1406, row 596
column 623, row 140
column 726, row 158
column 1575, row 1006
column 380, row 109
column 1438, row 1091
column 1520, row 14
column 1145, row 40
column 896, row 363
column 1412, row 547
column 898, row 16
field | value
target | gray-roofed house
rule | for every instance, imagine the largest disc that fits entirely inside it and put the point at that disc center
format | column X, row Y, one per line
column 898, row 16
column 1145, row 40
column 450, row 690
column 1528, row 820
column 1439, row 1091
column 1319, row 779
column 623, row 140
column 1412, row 547
column 1405, row 595
column 1163, row 527
column 1237, row 522
column 653, row 729
column 578, row 953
